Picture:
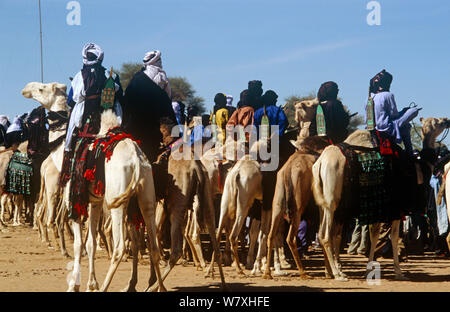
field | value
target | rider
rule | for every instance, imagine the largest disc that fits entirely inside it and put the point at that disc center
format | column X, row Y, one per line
column 87, row 87
column 15, row 134
column 220, row 115
column 146, row 104
column 276, row 115
column 336, row 118
column 390, row 123
column 4, row 124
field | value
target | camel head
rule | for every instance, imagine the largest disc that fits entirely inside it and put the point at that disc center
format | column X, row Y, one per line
column 432, row 128
column 45, row 93
column 305, row 112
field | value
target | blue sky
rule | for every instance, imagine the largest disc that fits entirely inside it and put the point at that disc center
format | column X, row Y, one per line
column 292, row 46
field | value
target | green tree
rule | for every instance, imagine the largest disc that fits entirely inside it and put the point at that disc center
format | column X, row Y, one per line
column 127, row 71
column 182, row 90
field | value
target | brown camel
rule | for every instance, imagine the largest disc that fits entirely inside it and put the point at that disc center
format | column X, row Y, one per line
column 328, row 181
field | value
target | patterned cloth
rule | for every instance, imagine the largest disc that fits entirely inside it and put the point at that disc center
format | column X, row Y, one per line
column 19, row 174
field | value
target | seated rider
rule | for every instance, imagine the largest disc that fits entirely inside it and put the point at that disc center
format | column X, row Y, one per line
column 336, row 117
column 220, row 116
column 15, row 134
column 147, row 102
column 4, row 125
column 390, row 123
column 87, row 86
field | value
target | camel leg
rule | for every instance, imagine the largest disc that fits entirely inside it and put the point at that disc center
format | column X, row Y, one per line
column 262, row 247
column 325, row 233
column 176, row 234
column 75, row 278
column 291, row 240
column 134, row 237
column 118, row 233
column 19, row 200
column 233, row 238
column 91, row 244
column 196, row 247
column 337, row 238
column 3, row 205
column 394, row 240
column 253, row 234
column 374, row 230
column 188, row 239
column 149, row 218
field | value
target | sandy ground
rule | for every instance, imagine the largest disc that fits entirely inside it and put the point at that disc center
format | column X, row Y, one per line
column 26, row 265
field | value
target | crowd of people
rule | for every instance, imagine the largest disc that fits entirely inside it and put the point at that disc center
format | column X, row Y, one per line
column 148, row 99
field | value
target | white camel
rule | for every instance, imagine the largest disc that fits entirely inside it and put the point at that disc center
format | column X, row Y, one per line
column 127, row 173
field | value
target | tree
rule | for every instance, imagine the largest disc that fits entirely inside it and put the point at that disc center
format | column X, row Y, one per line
column 127, row 71
column 182, row 90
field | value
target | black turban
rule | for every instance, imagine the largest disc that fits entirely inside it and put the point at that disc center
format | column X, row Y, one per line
column 269, row 98
column 381, row 82
column 328, row 91
column 220, row 99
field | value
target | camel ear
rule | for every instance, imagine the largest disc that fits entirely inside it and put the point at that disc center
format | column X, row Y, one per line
column 421, row 119
column 62, row 87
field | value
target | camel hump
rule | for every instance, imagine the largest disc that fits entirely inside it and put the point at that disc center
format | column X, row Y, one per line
column 360, row 138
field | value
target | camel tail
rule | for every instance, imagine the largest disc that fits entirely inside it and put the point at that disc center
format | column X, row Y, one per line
column 206, row 211
column 130, row 190
column 317, row 185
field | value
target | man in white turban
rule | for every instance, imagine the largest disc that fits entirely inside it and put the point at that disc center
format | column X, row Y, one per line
column 153, row 69
column 87, row 86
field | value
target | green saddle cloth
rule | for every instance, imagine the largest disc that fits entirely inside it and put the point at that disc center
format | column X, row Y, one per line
column 19, row 173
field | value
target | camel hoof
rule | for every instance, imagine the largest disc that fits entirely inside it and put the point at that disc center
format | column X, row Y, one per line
column 75, row 288
column 286, row 266
column 267, row 276
column 401, row 277
column 129, row 289
column 162, row 289
column 280, row 273
column 341, row 278
column 305, row 276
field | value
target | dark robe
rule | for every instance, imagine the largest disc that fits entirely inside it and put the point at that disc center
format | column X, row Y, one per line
column 145, row 103
column 336, row 120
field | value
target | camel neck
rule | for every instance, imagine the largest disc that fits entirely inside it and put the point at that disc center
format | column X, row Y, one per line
column 60, row 104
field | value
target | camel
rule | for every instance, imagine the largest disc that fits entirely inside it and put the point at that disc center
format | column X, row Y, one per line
column 187, row 178
column 13, row 203
column 127, row 173
column 328, row 180
column 292, row 195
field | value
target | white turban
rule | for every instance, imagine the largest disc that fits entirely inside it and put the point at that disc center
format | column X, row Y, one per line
column 153, row 58
column 4, row 121
column 94, row 49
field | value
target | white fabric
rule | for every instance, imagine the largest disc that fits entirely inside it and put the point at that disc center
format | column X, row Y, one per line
column 95, row 49
column 229, row 100
column 153, row 69
column 15, row 126
column 4, row 120
column 78, row 110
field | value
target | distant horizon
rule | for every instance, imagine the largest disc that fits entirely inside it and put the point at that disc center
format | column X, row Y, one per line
column 292, row 46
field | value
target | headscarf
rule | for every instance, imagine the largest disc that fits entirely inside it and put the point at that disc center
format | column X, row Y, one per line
column 220, row 101
column 153, row 69
column 328, row 91
column 243, row 99
column 92, row 54
column 254, row 94
column 153, row 58
column 4, row 121
column 381, row 82
column 269, row 98
column 93, row 72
